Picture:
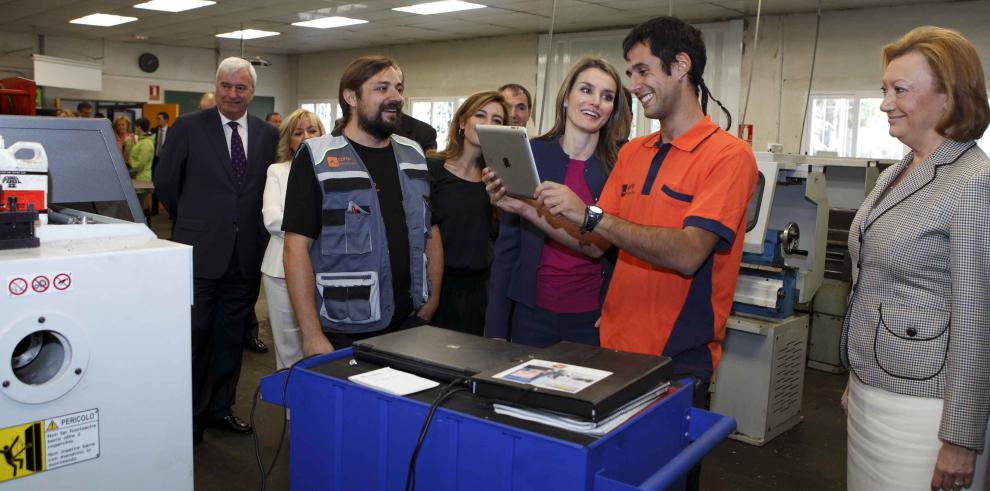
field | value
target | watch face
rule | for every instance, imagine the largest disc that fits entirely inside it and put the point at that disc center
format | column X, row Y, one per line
column 595, row 209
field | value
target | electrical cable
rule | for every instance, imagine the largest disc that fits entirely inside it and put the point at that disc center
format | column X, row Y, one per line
column 266, row 473
column 752, row 60
column 546, row 65
column 780, row 93
column 811, row 77
column 445, row 393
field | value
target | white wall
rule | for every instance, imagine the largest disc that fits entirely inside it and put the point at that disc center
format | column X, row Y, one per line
column 184, row 69
column 449, row 68
column 848, row 58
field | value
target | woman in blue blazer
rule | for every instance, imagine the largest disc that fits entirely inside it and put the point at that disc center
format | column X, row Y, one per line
column 544, row 287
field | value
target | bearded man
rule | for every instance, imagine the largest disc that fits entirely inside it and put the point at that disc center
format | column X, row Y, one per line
column 362, row 254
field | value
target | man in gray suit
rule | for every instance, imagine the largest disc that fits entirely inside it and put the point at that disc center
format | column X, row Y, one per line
column 211, row 177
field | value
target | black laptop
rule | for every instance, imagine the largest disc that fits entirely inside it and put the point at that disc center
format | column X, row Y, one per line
column 439, row 353
column 631, row 376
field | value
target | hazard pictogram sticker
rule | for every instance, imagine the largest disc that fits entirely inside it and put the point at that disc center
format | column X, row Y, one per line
column 62, row 281
column 40, row 284
column 17, row 286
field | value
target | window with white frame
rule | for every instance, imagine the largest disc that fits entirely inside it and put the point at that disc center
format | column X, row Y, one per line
column 850, row 125
column 437, row 112
column 327, row 110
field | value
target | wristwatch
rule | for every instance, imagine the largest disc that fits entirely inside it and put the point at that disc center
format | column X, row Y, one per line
column 592, row 215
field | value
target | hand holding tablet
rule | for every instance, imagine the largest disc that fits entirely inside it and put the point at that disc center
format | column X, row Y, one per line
column 508, row 154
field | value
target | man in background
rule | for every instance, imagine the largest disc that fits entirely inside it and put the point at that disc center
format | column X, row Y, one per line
column 211, row 178
column 520, row 103
column 159, row 134
column 207, row 101
column 84, row 110
column 418, row 131
column 274, row 119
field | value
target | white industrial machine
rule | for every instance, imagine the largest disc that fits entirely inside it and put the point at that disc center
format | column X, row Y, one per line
column 95, row 337
column 760, row 378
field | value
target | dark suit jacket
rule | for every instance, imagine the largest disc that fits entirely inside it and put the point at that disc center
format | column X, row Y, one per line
column 195, row 181
column 154, row 137
column 154, row 144
column 416, row 130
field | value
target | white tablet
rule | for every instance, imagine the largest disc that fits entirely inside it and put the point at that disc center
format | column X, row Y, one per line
column 507, row 152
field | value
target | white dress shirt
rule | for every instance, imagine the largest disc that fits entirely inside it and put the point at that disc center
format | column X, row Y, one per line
column 242, row 130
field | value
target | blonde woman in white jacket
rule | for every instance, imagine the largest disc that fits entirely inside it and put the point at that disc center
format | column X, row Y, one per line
column 299, row 126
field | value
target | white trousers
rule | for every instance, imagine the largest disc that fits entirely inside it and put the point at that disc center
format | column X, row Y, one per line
column 893, row 441
column 285, row 329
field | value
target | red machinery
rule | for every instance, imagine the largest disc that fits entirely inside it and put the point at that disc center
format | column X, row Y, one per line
column 17, row 96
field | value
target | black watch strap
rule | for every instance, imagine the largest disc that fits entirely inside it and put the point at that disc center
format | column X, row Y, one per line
column 591, row 219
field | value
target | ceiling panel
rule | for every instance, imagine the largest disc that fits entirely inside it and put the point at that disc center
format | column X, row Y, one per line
column 502, row 17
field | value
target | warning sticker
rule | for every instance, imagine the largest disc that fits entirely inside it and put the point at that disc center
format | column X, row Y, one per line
column 48, row 444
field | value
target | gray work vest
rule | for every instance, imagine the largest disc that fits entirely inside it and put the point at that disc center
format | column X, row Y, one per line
column 351, row 257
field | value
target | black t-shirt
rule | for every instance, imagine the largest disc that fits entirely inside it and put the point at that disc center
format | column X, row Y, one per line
column 304, row 203
column 463, row 212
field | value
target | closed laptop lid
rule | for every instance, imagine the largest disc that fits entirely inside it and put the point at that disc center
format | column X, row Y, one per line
column 630, row 375
column 439, row 353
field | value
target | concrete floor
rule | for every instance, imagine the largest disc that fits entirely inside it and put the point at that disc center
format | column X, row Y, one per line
column 811, row 456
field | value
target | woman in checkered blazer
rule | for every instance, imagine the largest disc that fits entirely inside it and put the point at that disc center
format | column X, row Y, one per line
column 916, row 337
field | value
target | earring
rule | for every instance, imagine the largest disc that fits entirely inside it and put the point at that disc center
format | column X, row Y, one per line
column 460, row 131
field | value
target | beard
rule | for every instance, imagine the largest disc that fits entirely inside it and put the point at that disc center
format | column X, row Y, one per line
column 378, row 126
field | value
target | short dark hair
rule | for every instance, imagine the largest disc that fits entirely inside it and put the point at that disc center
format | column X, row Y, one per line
column 164, row 115
column 268, row 117
column 143, row 123
column 667, row 37
column 518, row 88
column 83, row 105
column 355, row 75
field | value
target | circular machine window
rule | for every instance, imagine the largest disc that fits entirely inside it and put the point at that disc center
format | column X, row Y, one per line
column 39, row 357
column 42, row 357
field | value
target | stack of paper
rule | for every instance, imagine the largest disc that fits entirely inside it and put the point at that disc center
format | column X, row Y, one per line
column 393, row 381
column 592, row 428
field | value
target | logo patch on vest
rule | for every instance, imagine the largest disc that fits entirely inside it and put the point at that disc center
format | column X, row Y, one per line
column 628, row 189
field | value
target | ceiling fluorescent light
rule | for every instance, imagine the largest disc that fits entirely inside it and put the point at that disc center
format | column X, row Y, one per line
column 103, row 20
column 329, row 22
column 439, row 7
column 174, row 5
column 247, row 34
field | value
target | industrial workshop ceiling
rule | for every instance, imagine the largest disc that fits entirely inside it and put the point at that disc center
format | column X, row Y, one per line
column 384, row 26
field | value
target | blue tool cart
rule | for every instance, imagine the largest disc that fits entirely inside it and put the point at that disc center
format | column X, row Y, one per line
column 348, row 437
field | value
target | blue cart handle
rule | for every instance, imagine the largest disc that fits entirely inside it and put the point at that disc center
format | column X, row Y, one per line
column 706, row 430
